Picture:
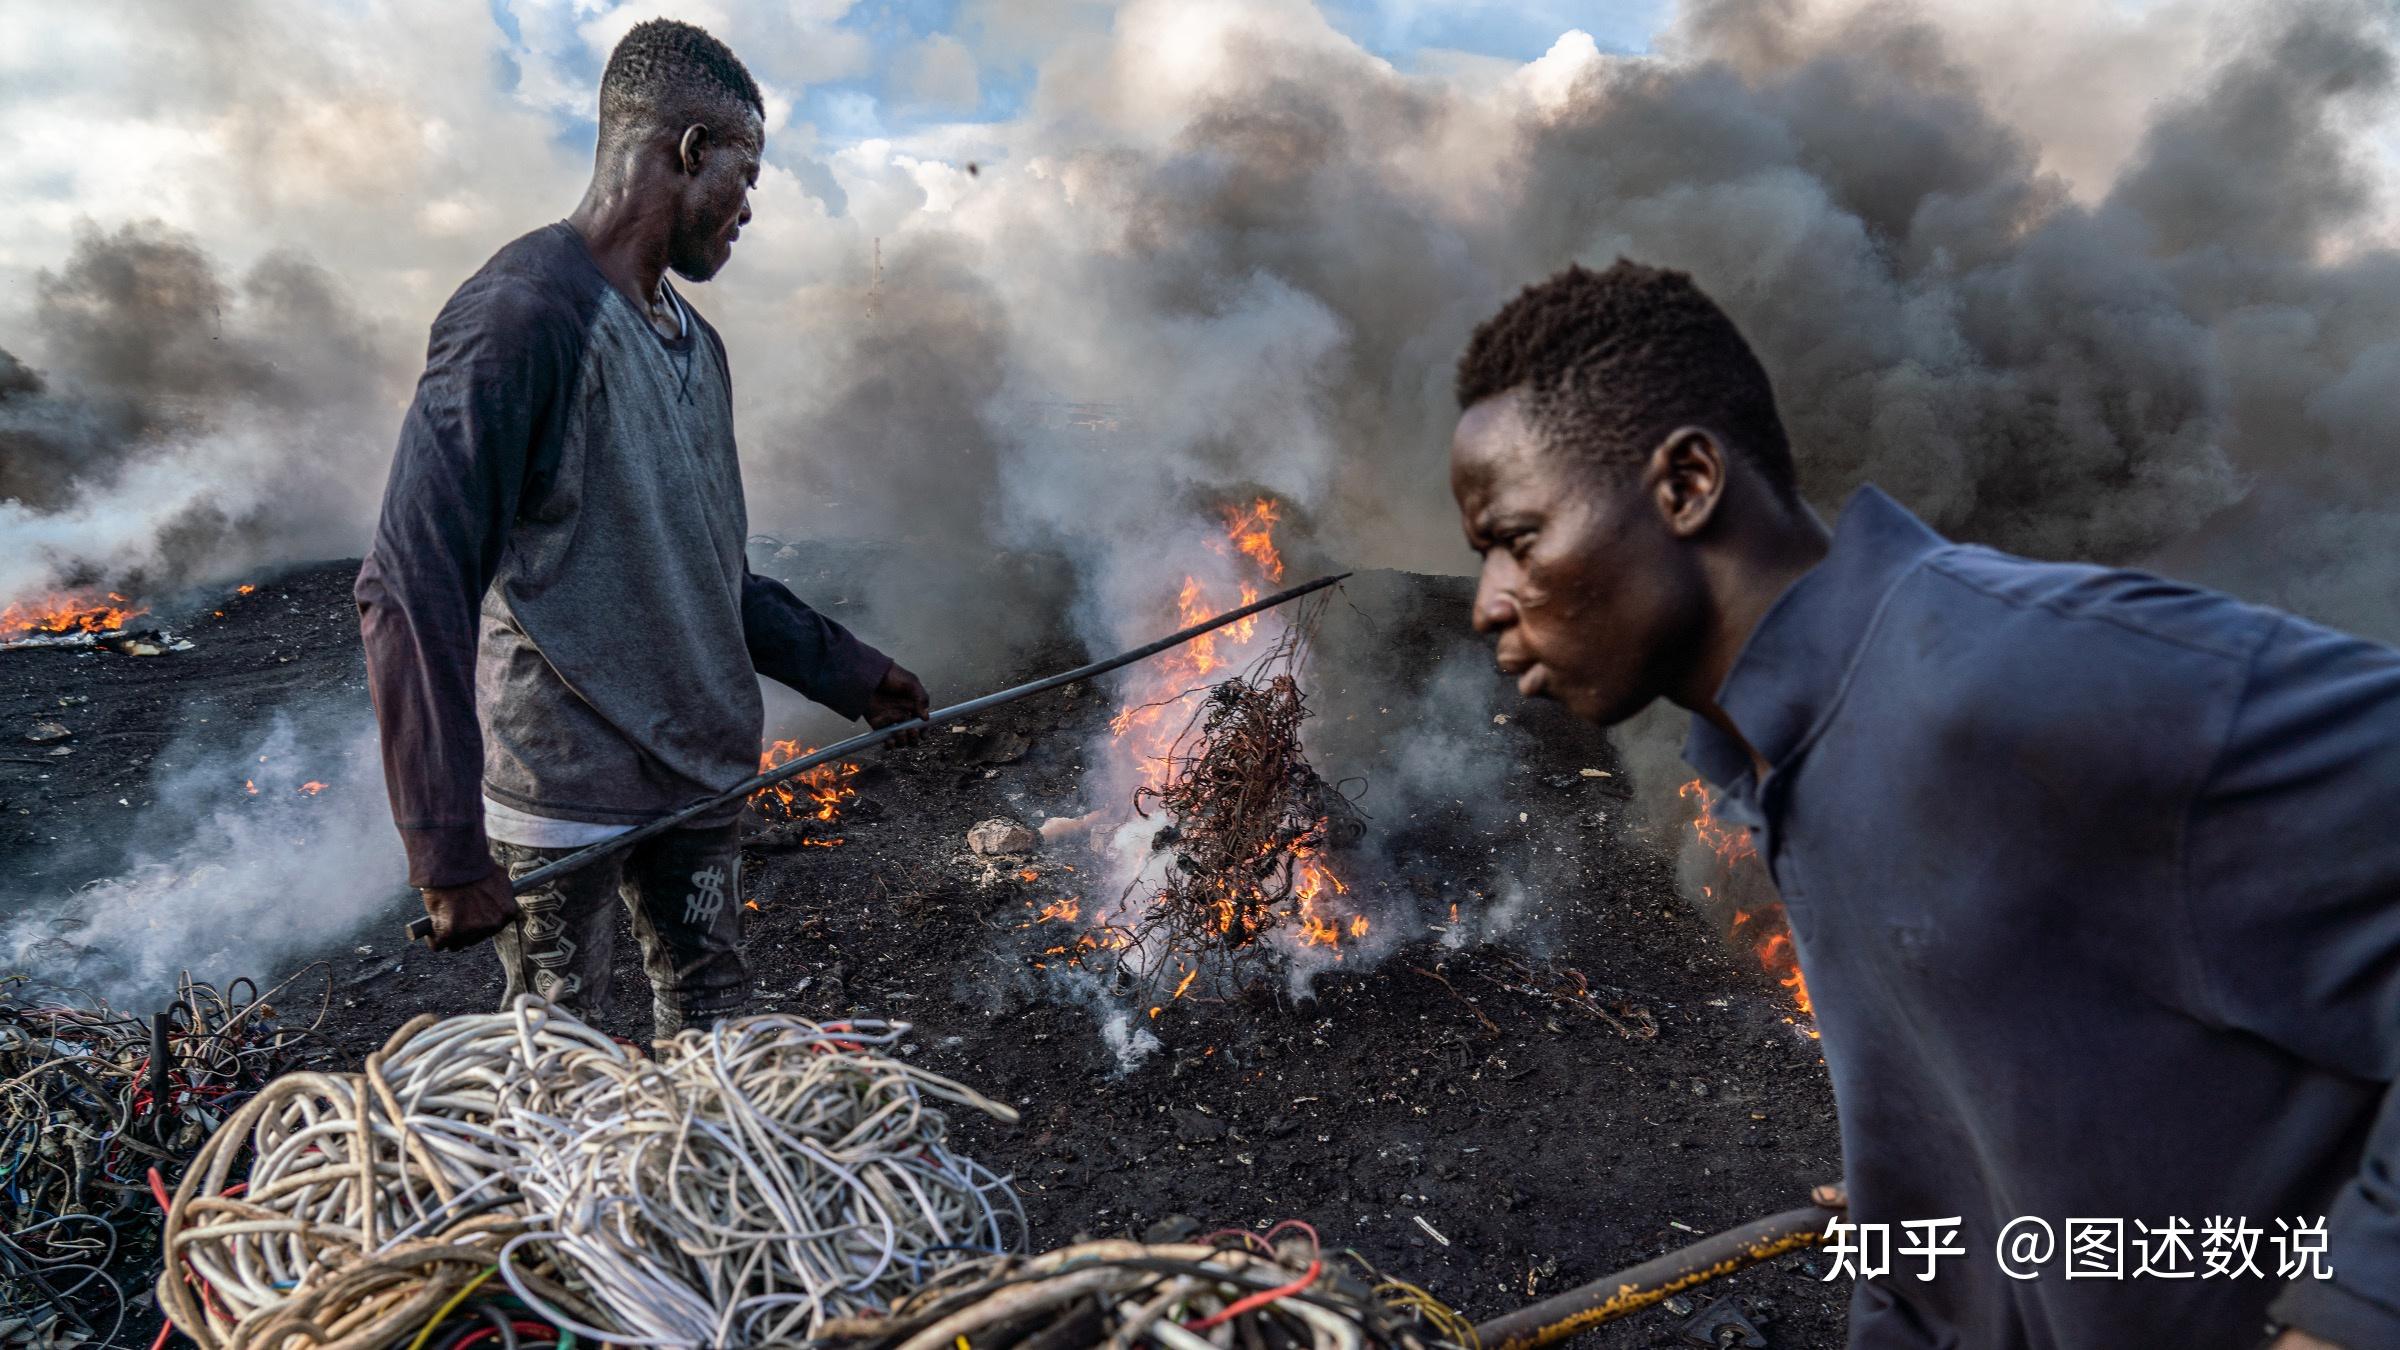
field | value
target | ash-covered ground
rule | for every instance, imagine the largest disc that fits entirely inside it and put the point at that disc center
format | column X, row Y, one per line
column 1426, row 1084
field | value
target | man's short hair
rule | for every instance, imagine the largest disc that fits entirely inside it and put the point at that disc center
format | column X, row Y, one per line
column 667, row 76
column 1612, row 362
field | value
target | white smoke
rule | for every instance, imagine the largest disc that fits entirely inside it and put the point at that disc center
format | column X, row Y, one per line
column 237, row 866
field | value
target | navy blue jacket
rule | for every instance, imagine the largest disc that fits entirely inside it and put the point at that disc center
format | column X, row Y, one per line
column 2095, row 878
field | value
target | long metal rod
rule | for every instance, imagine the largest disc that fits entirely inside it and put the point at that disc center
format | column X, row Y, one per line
column 423, row 928
column 1629, row 1291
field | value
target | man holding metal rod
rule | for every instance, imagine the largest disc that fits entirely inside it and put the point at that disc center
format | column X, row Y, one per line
column 2092, row 873
column 562, row 631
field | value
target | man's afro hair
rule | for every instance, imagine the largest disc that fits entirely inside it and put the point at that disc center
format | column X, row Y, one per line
column 1612, row 362
column 667, row 74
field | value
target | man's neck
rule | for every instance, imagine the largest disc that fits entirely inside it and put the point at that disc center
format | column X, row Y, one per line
column 1746, row 578
column 627, row 242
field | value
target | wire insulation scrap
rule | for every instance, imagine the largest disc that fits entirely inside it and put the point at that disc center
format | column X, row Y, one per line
column 1237, row 1289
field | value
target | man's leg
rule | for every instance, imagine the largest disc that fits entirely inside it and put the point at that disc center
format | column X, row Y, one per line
column 685, row 890
column 560, row 947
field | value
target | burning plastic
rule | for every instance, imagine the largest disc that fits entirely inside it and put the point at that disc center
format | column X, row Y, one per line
column 806, row 810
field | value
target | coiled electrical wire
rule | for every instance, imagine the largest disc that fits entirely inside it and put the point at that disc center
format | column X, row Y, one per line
column 756, row 1180
column 91, row 1099
column 741, row 1188
column 371, row 1198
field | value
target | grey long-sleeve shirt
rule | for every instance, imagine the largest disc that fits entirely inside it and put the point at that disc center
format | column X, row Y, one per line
column 2096, row 882
column 556, row 607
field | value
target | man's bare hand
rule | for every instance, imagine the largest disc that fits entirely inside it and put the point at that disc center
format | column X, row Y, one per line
column 2296, row 1339
column 900, row 698
column 1835, row 1196
column 465, row 915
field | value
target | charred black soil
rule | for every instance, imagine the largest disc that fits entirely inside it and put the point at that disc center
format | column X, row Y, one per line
column 1435, row 1099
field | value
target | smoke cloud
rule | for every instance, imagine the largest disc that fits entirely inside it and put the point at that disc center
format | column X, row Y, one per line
column 240, row 866
column 1263, row 246
column 2112, row 282
column 183, row 426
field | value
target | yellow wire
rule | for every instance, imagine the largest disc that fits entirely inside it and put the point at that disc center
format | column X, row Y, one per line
column 452, row 1306
column 1445, row 1320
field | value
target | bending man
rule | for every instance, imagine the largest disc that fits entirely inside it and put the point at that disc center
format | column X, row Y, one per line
column 2092, row 873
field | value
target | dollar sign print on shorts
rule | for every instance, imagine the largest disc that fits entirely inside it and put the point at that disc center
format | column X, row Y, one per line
column 709, row 897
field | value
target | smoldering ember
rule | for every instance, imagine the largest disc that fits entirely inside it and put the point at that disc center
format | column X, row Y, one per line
column 1382, row 675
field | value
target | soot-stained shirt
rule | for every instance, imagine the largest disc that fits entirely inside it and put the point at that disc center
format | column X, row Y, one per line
column 2096, row 882
column 557, row 608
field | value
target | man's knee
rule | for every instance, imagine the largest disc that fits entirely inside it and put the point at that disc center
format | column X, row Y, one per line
column 558, row 947
column 691, row 928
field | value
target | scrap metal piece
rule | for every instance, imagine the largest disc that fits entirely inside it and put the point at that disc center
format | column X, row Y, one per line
column 1722, row 1325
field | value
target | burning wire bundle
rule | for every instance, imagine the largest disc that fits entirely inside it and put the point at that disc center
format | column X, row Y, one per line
column 91, row 1100
column 521, row 1173
column 1249, row 821
column 1277, row 1292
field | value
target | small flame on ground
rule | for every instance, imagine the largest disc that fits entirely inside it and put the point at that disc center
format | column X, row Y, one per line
column 312, row 787
column 1732, row 846
column 244, row 589
column 60, row 615
column 814, row 795
column 250, row 787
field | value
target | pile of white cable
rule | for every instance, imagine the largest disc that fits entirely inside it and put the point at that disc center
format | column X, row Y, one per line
column 370, row 1198
column 753, row 1182
column 741, row 1188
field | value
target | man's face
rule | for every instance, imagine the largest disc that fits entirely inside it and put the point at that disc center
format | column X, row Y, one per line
column 715, row 201
column 1590, row 598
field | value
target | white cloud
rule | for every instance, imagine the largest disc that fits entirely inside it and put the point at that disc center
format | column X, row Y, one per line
column 938, row 73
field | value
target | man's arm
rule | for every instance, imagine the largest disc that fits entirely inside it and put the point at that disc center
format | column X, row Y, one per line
column 484, row 421
column 2293, row 883
column 795, row 645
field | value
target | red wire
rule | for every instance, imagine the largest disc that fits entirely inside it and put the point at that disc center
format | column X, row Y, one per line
column 1258, row 1300
column 1313, row 1242
column 165, row 1330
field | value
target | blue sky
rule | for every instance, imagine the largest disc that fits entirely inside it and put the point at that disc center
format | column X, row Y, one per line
column 871, row 103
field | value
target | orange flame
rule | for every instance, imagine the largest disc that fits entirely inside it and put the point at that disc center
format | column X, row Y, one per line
column 1730, row 843
column 312, row 787
column 1156, row 708
column 59, row 615
column 813, row 795
column 1732, row 847
column 1252, row 532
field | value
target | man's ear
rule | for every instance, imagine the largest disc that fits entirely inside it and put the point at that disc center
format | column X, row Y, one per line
column 692, row 154
column 1685, row 479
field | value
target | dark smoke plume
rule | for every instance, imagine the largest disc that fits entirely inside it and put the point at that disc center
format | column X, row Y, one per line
column 180, row 425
